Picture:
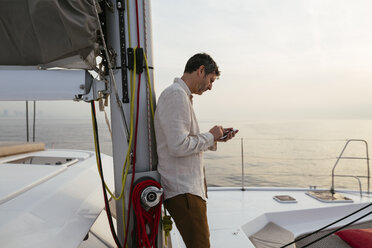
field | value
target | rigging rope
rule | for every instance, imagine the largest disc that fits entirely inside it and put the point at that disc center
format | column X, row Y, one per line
column 124, row 177
column 131, row 138
column 120, row 105
column 331, row 224
column 100, row 170
column 167, row 227
column 338, row 229
column 129, row 135
column 135, row 132
column 148, row 90
column 146, row 217
column 107, row 123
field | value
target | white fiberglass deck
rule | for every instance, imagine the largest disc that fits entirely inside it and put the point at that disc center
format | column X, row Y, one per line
column 50, row 204
column 234, row 215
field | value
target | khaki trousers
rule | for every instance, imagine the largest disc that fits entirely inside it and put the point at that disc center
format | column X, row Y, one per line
column 189, row 212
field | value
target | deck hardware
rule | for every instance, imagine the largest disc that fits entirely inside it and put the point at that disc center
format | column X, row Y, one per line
column 284, row 199
column 123, row 49
column 94, row 89
column 119, row 5
column 139, row 60
column 130, row 53
column 328, row 196
column 151, row 196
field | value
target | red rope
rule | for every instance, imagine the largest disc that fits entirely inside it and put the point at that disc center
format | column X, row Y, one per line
column 134, row 162
column 150, row 217
column 138, row 36
column 107, row 206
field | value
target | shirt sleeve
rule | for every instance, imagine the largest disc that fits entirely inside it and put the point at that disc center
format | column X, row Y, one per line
column 175, row 120
column 214, row 146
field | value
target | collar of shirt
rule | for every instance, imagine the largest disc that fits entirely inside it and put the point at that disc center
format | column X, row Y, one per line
column 184, row 87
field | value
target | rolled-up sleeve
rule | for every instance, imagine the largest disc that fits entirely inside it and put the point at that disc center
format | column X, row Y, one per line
column 174, row 116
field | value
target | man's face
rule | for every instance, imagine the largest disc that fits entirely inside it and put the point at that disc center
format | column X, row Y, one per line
column 205, row 82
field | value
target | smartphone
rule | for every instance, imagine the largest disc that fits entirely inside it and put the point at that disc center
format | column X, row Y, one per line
column 227, row 133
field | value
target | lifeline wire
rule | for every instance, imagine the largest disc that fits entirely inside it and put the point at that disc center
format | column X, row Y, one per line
column 345, row 217
column 338, row 229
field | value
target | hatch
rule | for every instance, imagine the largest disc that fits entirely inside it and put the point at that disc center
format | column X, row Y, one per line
column 40, row 160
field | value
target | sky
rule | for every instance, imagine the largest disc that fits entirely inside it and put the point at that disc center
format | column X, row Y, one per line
column 279, row 59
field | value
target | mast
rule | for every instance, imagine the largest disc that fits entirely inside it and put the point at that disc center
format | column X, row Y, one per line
column 128, row 35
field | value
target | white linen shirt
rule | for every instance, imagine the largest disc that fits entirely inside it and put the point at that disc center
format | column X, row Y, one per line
column 180, row 144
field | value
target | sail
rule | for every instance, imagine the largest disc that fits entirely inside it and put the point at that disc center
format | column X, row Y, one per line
column 50, row 33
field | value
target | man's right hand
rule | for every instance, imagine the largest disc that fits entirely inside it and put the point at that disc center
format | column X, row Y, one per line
column 217, row 132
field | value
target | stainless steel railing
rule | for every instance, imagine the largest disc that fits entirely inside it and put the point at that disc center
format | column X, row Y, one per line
column 340, row 157
column 242, row 154
column 361, row 158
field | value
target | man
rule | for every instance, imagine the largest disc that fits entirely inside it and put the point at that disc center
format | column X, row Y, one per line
column 180, row 147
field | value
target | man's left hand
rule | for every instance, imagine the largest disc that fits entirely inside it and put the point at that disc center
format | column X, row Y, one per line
column 230, row 134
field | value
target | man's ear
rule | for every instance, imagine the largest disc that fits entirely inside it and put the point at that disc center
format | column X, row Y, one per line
column 201, row 71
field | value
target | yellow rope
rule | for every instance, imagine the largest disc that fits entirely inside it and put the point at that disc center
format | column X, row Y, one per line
column 97, row 160
column 127, row 160
column 167, row 223
column 167, row 227
column 128, row 20
column 149, row 83
column 95, row 143
column 126, row 165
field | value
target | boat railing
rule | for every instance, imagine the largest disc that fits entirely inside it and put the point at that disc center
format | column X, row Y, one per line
column 340, row 157
column 356, row 177
column 357, row 158
column 242, row 155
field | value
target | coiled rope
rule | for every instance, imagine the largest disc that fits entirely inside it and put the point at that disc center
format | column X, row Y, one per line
column 146, row 217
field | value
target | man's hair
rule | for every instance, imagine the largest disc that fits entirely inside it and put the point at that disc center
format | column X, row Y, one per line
column 200, row 59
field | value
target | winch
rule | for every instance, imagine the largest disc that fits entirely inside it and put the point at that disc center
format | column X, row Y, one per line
column 150, row 196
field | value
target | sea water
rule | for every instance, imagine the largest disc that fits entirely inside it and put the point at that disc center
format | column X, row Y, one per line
column 281, row 153
column 290, row 153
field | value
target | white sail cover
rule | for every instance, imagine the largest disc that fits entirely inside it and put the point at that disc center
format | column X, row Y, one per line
column 48, row 32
